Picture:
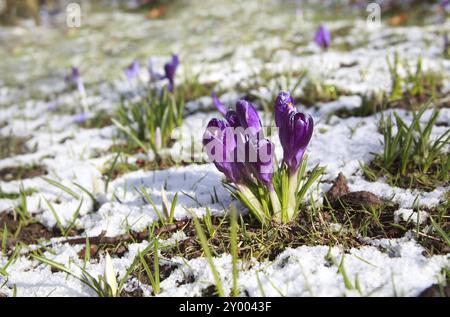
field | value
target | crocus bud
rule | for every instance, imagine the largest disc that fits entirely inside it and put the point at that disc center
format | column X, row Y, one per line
column 283, row 103
column 170, row 70
column 132, row 70
column 75, row 80
column 248, row 117
column 323, row 37
column 219, row 105
column 260, row 156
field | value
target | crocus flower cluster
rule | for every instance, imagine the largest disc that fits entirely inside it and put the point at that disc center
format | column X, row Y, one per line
column 323, row 37
column 238, row 148
column 170, row 69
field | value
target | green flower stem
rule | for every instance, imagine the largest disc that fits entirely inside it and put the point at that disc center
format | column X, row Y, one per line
column 292, row 201
column 276, row 206
column 254, row 203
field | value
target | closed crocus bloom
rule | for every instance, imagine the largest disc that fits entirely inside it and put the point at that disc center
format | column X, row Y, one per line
column 261, row 160
column 295, row 134
column 170, row 70
column 323, row 37
column 220, row 146
column 283, row 103
column 219, row 105
column 132, row 70
column 232, row 119
column 248, row 117
column 75, row 80
column 262, row 169
column 75, row 74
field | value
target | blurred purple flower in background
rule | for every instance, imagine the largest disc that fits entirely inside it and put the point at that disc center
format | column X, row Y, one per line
column 248, row 117
column 132, row 70
column 323, row 37
column 170, row 70
column 80, row 118
column 75, row 80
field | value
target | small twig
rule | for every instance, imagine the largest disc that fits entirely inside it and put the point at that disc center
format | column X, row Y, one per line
column 139, row 236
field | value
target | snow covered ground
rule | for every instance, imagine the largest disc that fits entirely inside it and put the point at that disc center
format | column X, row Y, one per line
column 226, row 43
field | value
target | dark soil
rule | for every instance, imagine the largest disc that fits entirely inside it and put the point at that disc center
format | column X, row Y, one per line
column 436, row 290
column 29, row 233
column 11, row 146
column 8, row 174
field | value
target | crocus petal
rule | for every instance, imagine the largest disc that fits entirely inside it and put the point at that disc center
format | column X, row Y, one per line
column 170, row 70
column 248, row 117
column 220, row 145
column 232, row 119
column 263, row 167
column 322, row 37
column 283, row 103
column 295, row 133
column 51, row 106
column 219, row 105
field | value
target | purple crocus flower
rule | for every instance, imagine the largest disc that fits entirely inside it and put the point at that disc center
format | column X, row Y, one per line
column 219, row 141
column 444, row 3
column 295, row 130
column 263, row 167
column 132, row 70
column 170, row 70
column 244, row 150
column 75, row 80
column 323, row 37
column 80, row 118
column 248, row 117
column 219, row 105
column 283, row 103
